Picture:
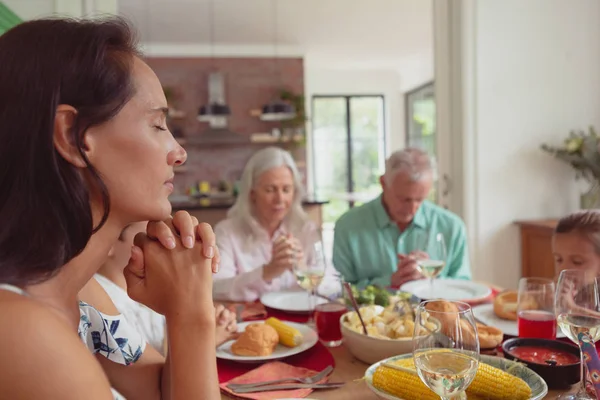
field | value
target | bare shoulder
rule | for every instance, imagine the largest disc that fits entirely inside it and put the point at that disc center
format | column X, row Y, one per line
column 39, row 350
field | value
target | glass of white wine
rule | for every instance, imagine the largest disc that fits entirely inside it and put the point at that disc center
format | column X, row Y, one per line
column 446, row 347
column 309, row 274
column 577, row 309
column 430, row 250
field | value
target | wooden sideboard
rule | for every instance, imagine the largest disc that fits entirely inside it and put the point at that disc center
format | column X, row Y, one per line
column 536, row 248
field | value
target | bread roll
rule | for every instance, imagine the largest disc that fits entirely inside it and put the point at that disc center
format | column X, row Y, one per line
column 489, row 337
column 257, row 340
column 505, row 305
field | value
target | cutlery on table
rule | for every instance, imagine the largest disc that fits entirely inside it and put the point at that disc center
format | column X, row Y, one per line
column 270, row 388
column 355, row 306
column 307, row 380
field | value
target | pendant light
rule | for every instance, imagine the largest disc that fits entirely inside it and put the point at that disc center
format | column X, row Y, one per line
column 277, row 110
column 216, row 109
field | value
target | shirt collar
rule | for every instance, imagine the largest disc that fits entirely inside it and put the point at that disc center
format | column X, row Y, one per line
column 383, row 218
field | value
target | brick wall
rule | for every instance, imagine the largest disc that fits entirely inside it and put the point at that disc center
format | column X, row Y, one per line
column 249, row 83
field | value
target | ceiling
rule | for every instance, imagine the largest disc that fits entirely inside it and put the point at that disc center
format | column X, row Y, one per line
column 376, row 34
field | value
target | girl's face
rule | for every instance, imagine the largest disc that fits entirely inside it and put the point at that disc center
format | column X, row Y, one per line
column 135, row 153
column 574, row 251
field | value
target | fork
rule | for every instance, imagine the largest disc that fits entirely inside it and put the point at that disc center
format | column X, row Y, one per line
column 306, row 380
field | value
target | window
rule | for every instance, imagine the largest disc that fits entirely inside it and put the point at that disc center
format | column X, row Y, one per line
column 420, row 123
column 348, row 140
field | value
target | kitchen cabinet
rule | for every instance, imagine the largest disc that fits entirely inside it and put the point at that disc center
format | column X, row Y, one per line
column 217, row 211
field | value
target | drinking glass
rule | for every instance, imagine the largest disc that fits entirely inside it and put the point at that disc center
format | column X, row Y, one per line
column 310, row 273
column 577, row 310
column 430, row 244
column 535, row 308
column 446, row 347
column 327, row 321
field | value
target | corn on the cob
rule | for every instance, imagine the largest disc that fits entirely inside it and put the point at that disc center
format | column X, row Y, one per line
column 404, row 384
column 288, row 336
column 489, row 383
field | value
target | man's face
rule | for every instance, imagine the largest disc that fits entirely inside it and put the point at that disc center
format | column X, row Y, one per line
column 404, row 196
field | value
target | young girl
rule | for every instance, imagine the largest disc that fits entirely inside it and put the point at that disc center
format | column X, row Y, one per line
column 576, row 242
column 576, row 245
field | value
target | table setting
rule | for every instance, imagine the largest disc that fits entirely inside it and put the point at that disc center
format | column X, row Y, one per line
column 428, row 339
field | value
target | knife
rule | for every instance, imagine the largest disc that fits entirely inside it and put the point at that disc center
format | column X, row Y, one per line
column 270, row 388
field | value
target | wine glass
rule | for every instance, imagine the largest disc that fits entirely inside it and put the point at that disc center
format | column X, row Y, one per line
column 445, row 347
column 577, row 310
column 310, row 273
column 431, row 253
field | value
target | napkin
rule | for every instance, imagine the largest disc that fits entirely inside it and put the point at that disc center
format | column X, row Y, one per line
column 249, row 311
column 592, row 361
column 271, row 371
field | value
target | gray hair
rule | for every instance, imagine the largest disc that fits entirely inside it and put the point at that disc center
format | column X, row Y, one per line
column 415, row 162
column 263, row 160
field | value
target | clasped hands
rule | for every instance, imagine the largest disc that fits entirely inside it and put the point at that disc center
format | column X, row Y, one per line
column 407, row 268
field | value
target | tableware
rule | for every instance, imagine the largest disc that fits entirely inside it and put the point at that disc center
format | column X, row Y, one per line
column 292, row 386
column 370, row 349
column 310, row 338
column 291, row 301
column 485, row 313
column 327, row 322
column 429, row 250
column 556, row 376
column 309, row 379
column 539, row 388
column 310, row 273
column 355, row 306
column 535, row 308
column 447, row 367
column 577, row 309
column 449, row 289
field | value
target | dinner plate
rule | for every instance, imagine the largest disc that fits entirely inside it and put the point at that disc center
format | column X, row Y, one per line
column 448, row 289
column 485, row 313
column 538, row 386
column 291, row 301
column 309, row 339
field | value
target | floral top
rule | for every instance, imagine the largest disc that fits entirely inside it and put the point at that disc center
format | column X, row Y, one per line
column 110, row 336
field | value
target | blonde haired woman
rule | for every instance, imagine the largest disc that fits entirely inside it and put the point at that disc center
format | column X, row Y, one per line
column 266, row 231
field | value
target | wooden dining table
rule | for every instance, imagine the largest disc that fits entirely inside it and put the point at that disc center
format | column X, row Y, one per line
column 350, row 370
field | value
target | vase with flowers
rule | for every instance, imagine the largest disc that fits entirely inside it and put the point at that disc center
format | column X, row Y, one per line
column 580, row 150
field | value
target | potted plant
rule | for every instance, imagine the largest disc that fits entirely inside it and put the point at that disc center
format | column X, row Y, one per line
column 580, row 150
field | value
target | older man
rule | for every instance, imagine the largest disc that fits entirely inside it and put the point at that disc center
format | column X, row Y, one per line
column 367, row 248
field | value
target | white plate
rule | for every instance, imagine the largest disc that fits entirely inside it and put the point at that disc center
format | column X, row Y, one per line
column 485, row 313
column 449, row 289
column 539, row 388
column 290, row 301
column 310, row 338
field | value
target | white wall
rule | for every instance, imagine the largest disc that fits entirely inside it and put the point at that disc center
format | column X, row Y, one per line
column 30, row 9
column 535, row 68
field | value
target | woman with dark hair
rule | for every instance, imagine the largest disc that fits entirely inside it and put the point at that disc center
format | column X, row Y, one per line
column 85, row 152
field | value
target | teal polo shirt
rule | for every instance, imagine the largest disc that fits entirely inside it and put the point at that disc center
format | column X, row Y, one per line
column 365, row 244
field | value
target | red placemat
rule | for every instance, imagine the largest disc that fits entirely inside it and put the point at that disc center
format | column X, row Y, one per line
column 316, row 358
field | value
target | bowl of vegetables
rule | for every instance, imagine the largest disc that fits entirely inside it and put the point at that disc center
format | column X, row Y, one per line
column 390, row 333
